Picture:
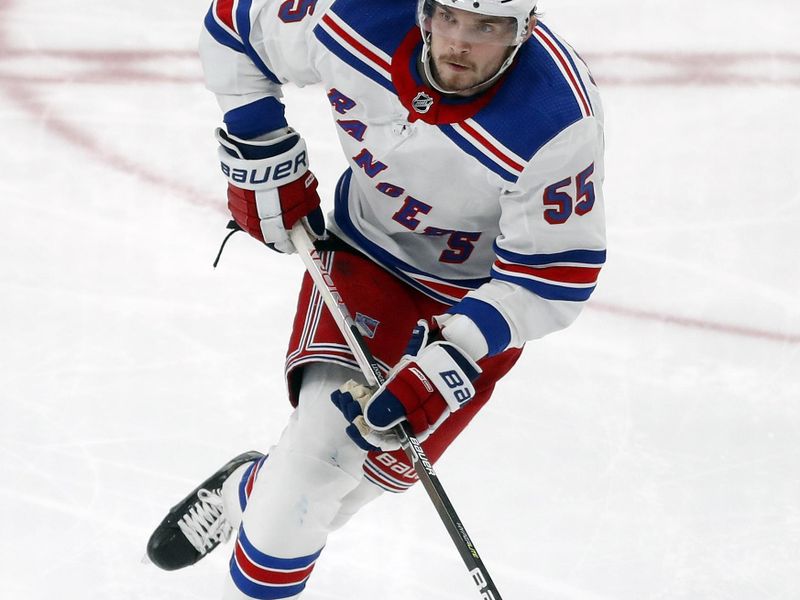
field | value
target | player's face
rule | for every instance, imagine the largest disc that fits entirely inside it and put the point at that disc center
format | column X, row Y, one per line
column 467, row 48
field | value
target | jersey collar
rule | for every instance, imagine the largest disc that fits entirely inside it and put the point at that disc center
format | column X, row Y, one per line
column 422, row 101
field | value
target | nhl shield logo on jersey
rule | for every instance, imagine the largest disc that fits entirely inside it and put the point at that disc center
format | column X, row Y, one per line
column 367, row 325
column 422, row 102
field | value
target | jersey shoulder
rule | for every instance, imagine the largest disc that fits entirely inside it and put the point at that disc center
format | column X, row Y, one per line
column 545, row 92
column 365, row 34
column 371, row 24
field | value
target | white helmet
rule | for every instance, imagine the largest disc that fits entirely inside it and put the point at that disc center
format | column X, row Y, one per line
column 518, row 12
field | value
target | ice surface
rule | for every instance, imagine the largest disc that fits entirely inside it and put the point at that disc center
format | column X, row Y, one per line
column 651, row 451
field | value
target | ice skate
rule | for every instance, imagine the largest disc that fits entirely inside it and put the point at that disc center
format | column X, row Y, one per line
column 196, row 525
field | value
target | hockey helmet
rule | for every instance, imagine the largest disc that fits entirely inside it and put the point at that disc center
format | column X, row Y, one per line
column 507, row 23
column 518, row 13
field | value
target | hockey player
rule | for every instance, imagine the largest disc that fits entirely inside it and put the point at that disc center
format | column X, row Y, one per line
column 471, row 214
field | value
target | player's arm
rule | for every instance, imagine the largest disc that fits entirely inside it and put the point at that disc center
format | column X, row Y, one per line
column 248, row 50
column 549, row 253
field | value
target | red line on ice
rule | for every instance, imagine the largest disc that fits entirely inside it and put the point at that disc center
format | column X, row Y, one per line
column 699, row 69
column 26, row 98
column 726, row 328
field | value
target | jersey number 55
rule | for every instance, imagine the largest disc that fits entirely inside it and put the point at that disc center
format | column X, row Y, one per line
column 564, row 206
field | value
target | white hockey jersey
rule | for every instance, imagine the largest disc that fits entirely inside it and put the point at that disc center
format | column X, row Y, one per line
column 491, row 204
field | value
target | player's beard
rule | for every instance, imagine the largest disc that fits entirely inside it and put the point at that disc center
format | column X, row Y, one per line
column 466, row 82
column 455, row 81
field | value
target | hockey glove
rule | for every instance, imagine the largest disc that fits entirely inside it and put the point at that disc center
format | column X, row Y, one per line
column 429, row 383
column 351, row 399
column 270, row 187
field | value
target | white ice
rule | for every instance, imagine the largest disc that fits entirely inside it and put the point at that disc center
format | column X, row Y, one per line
column 650, row 451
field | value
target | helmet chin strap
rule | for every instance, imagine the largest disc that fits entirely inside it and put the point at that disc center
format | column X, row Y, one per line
column 425, row 59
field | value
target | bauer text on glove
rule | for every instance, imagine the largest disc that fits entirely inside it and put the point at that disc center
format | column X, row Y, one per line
column 270, row 187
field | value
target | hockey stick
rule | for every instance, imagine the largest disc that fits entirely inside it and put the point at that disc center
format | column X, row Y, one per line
column 412, row 447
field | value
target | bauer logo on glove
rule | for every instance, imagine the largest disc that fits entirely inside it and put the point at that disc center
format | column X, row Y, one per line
column 283, row 168
column 270, row 187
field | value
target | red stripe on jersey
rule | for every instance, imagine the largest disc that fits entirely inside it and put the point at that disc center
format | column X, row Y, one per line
column 575, row 86
column 486, row 144
column 557, row 274
column 451, row 291
column 269, row 576
column 225, row 13
column 356, row 44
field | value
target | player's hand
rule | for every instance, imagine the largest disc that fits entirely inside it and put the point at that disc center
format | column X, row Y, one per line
column 270, row 187
column 429, row 383
column 351, row 399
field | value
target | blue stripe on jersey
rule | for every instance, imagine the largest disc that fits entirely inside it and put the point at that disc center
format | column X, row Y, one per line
column 568, row 52
column 385, row 23
column 490, row 321
column 589, row 257
column 546, row 290
column 257, row 118
column 537, row 94
column 243, row 25
column 476, row 153
column 397, row 267
column 351, row 59
column 219, row 34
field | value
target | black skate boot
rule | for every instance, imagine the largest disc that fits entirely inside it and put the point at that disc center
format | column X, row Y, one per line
column 195, row 526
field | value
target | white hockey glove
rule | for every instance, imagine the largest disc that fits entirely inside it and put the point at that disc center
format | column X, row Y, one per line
column 270, row 187
column 428, row 384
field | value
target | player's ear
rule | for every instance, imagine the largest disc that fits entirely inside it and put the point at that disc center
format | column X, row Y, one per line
column 531, row 27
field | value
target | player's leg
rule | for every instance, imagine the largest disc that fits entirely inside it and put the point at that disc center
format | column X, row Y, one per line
column 295, row 498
